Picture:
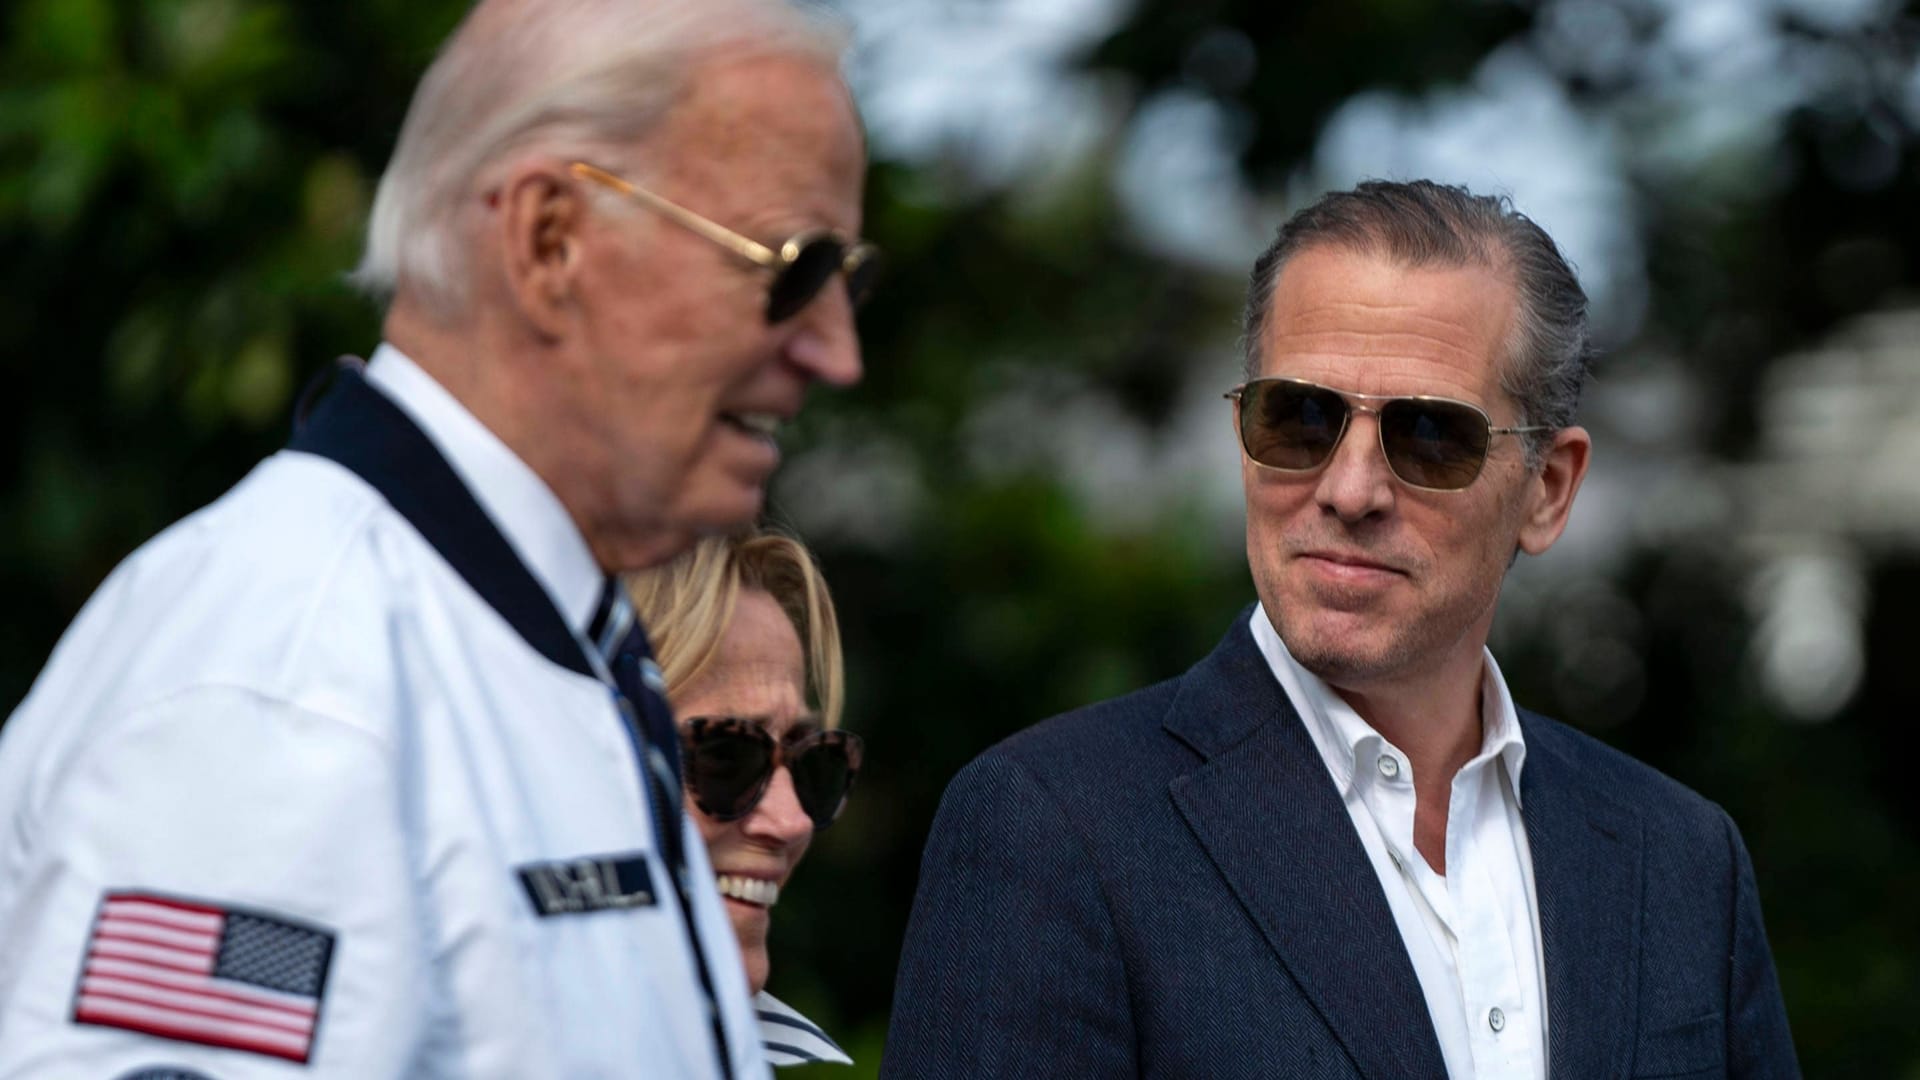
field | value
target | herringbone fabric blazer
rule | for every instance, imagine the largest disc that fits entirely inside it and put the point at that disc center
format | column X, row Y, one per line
column 1168, row 885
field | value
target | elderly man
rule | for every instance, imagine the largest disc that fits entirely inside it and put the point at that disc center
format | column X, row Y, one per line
column 1335, row 847
column 362, row 771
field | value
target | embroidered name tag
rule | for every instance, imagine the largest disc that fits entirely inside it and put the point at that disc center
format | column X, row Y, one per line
column 588, row 883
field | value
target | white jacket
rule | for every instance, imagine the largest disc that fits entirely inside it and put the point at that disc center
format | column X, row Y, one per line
column 294, row 798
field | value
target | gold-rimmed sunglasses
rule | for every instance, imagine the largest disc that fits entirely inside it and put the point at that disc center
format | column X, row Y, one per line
column 801, row 266
column 1434, row 443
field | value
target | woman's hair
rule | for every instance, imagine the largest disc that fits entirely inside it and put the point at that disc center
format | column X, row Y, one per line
column 686, row 604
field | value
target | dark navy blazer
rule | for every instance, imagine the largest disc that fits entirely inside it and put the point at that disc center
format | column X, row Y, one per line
column 1167, row 884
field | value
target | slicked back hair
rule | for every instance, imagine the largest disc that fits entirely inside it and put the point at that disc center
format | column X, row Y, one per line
column 1423, row 224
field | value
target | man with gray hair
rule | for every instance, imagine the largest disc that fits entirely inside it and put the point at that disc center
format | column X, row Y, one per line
column 364, row 769
column 1336, row 847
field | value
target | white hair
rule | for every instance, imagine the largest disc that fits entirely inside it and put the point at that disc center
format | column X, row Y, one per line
column 557, row 76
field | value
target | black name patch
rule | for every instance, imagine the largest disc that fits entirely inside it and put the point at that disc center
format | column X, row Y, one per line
column 588, row 883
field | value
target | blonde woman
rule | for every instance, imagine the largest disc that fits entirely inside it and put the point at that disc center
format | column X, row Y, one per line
column 746, row 637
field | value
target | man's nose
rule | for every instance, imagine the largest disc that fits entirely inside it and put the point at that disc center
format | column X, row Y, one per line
column 826, row 344
column 1357, row 482
column 779, row 818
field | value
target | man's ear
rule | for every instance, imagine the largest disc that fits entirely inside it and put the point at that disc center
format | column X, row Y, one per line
column 1551, row 488
column 541, row 212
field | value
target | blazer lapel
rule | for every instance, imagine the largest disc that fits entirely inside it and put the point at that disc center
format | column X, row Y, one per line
column 1271, row 819
column 1587, row 878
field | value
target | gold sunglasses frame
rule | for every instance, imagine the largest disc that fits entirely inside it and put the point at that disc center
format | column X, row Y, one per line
column 1354, row 400
column 857, row 253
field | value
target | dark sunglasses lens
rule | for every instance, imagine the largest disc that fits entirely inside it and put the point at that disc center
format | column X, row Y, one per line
column 800, row 280
column 861, row 275
column 1290, row 425
column 823, row 772
column 727, row 768
column 1434, row 444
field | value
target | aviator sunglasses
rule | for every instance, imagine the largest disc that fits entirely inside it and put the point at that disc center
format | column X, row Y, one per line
column 729, row 763
column 1433, row 443
column 801, row 266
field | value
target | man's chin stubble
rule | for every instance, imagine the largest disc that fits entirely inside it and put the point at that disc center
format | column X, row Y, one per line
column 1346, row 666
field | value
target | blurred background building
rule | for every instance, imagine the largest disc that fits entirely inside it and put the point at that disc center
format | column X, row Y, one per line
column 1033, row 502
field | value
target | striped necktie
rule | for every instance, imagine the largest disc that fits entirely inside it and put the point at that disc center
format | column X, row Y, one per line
column 641, row 694
column 622, row 642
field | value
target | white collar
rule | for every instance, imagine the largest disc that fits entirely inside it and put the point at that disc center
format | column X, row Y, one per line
column 524, row 508
column 791, row 1039
column 1344, row 739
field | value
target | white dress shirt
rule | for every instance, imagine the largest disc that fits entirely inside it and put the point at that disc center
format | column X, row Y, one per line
column 1473, row 934
column 290, row 729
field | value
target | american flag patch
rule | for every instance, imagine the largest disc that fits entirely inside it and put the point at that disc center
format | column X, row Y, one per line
column 204, row 974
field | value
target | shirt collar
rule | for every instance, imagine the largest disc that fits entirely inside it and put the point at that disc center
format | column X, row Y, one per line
column 1501, row 722
column 524, row 508
column 1343, row 738
column 791, row 1039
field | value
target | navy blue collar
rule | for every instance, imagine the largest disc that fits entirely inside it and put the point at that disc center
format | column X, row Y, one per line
column 358, row 427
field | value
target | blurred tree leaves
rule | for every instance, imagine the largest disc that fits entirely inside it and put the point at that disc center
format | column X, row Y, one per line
column 182, row 187
column 1287, row 66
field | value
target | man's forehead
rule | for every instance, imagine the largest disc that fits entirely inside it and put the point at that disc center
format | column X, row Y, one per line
column 1338, row 305
column 742, row 98
column 1324, row 282
column 766, row 131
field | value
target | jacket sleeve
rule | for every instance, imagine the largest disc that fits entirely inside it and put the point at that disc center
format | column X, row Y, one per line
column 216, row 886
column 1011, row 965
column 1759, row 1043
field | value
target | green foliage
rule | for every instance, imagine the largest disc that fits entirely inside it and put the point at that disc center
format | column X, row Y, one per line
column 182, row 187
column 1289, row 65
